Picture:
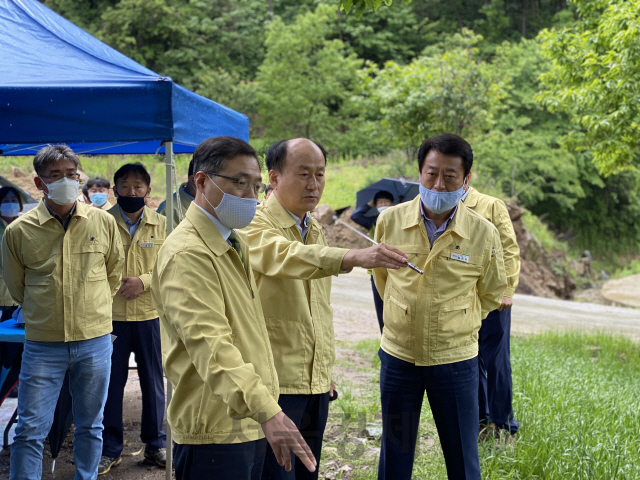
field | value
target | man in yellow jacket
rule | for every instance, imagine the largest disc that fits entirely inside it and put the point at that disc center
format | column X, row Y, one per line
column 495, row 394
column 215, row 346
column 181, row 200
column 135, row 320
column 431, row 322
column 293, row 267
column 62, row 261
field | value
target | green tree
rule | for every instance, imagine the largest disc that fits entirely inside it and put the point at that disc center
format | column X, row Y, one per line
column 179, row 39
column 450, row 90
column 361, row 6
column 594, row 78
column 522, row 155
column 306, row 83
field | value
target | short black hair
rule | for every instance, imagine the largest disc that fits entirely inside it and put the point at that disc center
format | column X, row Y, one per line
column 128, row 169
column 268, row 189
column 190, row 171
column 213, row 153
column 53, row 154
column 448, row 144
column 4, row 191
column 95, row 182
column 383, row 194
column 277, row 153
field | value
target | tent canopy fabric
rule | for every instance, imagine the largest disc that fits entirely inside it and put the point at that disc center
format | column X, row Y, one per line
column 58, row 84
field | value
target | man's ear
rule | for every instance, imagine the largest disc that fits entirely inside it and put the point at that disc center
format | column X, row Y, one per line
column 40, row 185
column 468, row 179
column 198, row 180
column 115, row 192
column 274, row 176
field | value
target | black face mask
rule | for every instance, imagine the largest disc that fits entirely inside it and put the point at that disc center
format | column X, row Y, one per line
column 131, row 204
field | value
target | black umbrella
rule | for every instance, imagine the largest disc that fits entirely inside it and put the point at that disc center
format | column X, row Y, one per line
column 402, row 191
column 62, row 419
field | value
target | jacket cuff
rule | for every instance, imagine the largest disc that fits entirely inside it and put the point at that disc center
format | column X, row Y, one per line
column 509, row 292
column 333, row 260
column 267, row 412
column 146, row 281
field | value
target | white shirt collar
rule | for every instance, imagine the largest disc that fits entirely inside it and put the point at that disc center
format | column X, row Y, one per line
column 224, row 231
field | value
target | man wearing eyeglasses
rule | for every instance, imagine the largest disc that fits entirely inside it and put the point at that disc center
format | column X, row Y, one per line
column 62, row 262
column 215, row 346
column 293, row 266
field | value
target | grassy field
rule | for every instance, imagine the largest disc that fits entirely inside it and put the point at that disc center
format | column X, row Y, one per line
column 575, row 396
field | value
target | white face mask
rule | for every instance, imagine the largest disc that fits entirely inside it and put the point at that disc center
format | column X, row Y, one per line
column 234, row 212
column 10, row 209
column 64, row 191
column 382, row 209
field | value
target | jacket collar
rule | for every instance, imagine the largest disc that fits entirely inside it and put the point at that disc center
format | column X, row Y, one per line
column 148, row 218
column 207, row 230
column 284, row 218
column 185, row 199
column 459, row 224
column 44, row 216
column 277, row 211
column 472, row 198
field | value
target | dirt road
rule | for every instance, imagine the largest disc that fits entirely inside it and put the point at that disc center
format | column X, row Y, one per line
column 625, row 290
column 354, row 313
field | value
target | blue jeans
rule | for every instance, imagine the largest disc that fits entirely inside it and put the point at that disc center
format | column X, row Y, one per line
column 44, row 366
column 452, row 390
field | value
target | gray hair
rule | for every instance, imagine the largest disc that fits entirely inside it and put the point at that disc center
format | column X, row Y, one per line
column 53, row 154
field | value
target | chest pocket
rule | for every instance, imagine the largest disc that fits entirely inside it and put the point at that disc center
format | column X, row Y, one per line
column 88, row 258
column 146, row 252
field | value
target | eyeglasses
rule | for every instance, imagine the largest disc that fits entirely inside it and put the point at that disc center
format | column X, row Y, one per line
column 57, row 176
column 243, row 184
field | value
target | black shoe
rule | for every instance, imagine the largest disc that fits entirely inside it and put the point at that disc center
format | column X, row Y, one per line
column 106, row 463
column 155, row 456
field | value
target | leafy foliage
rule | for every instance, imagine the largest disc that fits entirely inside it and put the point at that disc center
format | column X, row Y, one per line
column 594, row 77
column 306, row 81
column 450, row 90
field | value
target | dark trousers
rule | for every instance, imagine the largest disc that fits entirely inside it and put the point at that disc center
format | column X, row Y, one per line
column 495, row 392
column 379, row 303
column 452, row 392
column 309, row 413
column 7, row 312
column 143, row 339
column 229, row 461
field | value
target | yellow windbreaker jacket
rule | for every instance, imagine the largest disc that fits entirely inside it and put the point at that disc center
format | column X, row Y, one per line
column 434, row 318
column 215, row 347
column 494, row 210
column 140, row 254
column 185, row 202
column 294, row 281
column 64, row 281
column 5, row 296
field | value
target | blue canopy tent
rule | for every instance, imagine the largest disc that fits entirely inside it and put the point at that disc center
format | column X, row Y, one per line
column 58, row 84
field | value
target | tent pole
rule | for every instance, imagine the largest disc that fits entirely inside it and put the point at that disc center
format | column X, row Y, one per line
column 168, row 157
